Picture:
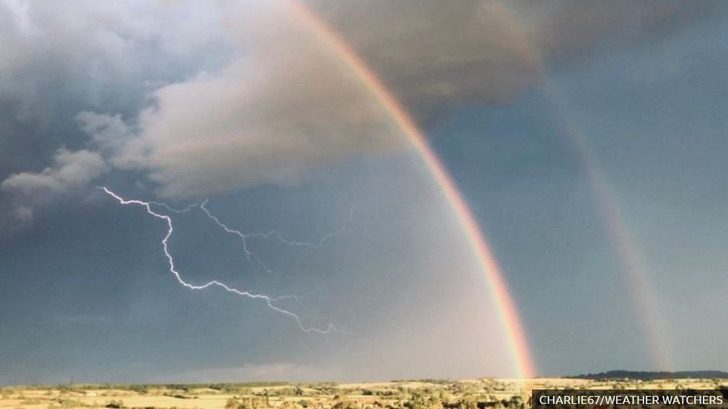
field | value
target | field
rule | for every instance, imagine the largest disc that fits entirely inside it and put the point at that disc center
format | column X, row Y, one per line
column 421, row 394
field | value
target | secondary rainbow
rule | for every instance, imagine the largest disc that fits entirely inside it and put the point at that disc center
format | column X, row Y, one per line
column 636, row 278
column 497, row 287
column 634, row 272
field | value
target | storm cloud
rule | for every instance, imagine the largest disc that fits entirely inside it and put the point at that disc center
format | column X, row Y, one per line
column 267, row 101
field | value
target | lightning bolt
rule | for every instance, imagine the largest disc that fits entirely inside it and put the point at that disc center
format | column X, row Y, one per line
column 172, row 209
column 243, row 237
column 250, row 255
column 268, row 300
column 318, row 244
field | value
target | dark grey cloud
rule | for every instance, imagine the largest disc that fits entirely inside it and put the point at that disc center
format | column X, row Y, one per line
column 58, row 60
column 435, row 54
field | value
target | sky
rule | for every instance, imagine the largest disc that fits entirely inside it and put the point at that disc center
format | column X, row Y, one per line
column 587, row 138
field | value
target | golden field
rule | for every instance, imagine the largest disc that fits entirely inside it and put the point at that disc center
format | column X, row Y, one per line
column 422, row 394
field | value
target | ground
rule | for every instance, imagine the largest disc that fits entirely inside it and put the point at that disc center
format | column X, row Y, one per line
column 421, row 394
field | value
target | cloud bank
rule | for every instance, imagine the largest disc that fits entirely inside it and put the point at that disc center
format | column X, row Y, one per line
column 206, row 98
column 282, row 108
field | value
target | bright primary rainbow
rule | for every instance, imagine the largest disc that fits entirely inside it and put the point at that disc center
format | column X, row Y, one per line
column 514, row 332
column 645, row 304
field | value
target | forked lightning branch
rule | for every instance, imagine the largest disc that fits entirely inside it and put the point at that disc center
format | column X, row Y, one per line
column 267, row 299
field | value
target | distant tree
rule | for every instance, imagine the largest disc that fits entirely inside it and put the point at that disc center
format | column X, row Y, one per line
column 234, row 403
column 115, row 404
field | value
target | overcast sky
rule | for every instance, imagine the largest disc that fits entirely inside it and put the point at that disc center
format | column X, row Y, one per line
column 589, row 138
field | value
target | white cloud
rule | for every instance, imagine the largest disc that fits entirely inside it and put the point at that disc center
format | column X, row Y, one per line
column 23, row 214
column 109, row 132
column 286, row 106
column 112, row 137
column 291, row 104
column 69, row 170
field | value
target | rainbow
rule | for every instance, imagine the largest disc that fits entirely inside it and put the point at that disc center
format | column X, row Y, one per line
column 508, row 315
column 607, row 207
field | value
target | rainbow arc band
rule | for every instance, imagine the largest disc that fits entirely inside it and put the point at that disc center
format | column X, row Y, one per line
column 514, row 332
